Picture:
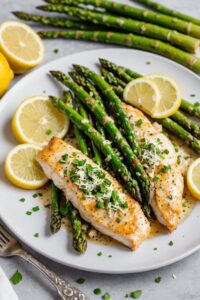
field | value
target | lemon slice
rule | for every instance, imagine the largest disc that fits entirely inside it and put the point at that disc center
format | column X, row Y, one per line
column 193, row 178
column 170, row 92
column 36, row 121
column 22, row 46
column 22, row 169
column 6, row 74
column 142, row 93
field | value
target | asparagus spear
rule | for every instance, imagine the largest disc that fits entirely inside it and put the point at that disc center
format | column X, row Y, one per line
column 192, row 109
column 141, row 14
column 79, row 236
column 114, row 133
column 132, row 41
column 167, row 11
column 55, row 222
column 105, row 147
column 111, row 79
column 187, row 123
column 183, row 134
column 55, row 22
column 185, row 42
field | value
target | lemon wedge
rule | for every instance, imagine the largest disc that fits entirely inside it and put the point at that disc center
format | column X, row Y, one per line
column 193, row 178
column 22, row 169
column 142, row 93
column 36, row 121
column 21, row 45
column 170, row 93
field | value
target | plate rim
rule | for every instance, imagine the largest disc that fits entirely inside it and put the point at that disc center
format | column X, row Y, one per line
column 20, row 238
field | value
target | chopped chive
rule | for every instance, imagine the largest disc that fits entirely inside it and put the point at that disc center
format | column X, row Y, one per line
column 16, row 277
column 22, row 200
column 106, row 296
column 99, row 253
column 97, row 291
column 171, row 243
column 29, row 213
column 136, row 294
column 35, row 208
column 48, row 132
column 158, row 279
column 36, row 235
column 80, row 280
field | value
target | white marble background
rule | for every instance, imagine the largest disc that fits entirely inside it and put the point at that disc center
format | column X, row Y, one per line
column 34, row 286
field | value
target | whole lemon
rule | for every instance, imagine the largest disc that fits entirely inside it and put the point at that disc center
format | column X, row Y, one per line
column 6, row 74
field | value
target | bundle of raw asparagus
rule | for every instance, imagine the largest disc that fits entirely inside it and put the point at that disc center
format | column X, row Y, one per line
column 170, row 34
column 98, row 95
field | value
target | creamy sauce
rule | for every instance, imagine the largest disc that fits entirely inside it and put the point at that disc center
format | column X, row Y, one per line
column 186, row 157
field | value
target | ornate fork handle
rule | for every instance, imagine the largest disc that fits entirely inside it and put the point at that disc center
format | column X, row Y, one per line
column 65, row 290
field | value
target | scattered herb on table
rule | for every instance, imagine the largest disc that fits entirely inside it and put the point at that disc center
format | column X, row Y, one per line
column 56, row 51
column 97, row 291
column 171, row 243
column 28, row 213
column 99, row 253
column 36, row 235
column 16, row 277
column 136, row 294
column 158, row 279
column 106, row 296
column 80, row 280
column 148, row 62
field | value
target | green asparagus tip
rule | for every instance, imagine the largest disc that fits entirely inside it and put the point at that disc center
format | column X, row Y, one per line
column 79, row 68
column 16, row 13
column 42, row 7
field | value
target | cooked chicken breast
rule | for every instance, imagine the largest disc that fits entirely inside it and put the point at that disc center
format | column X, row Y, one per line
column 160, row 160
column 98, row 196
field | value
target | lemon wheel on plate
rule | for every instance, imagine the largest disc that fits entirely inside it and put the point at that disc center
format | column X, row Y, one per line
column 36, row 121
column 193, row 178
column 22, row 169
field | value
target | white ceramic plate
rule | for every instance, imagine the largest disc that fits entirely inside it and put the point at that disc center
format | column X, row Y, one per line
column 58, row 247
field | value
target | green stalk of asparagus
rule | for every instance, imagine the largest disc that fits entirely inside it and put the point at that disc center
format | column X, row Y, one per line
column 192, row 109
column 129, row 40
column 56, row 22
column 167, row 11
column 113, row 159
column 79, row 236
column 185, row 42
column 183, row 134
column 115, row 105
column 179, row 117
column 117, row 70
column 111, row 79
column 187, row 123
column 81, row 141
column 55, row 222
column 141, row 14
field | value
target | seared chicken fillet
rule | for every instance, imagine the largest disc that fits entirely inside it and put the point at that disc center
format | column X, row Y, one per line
column 122, row 218
column 160, row 160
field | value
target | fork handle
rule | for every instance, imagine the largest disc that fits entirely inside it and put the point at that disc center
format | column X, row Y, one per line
column 65, row 290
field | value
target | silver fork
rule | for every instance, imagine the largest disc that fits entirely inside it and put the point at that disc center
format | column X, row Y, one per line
column 9, row 246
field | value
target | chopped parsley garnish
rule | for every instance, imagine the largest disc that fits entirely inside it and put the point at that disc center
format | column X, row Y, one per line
column 22, row 200
column 29, row 213
column 35, row 208
column 158, row 279
column 192, row 95
column 99, row 254
column 178, row 159
column 37, row 195
column 148, row 62
column 48, row 132
column 109, row 255
column 106, row 296
column 63, row 159
column 65, row 172
column 165, row 169
column 80, row 280
column 170, row 197
column 16, row 277
column 155, row 249
column 139, row 122
column 56, row 51
column 156, row 178
column 166, row 151
column 36, row 235
column 136, row 294
column 171, row 243
column 97, row 291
